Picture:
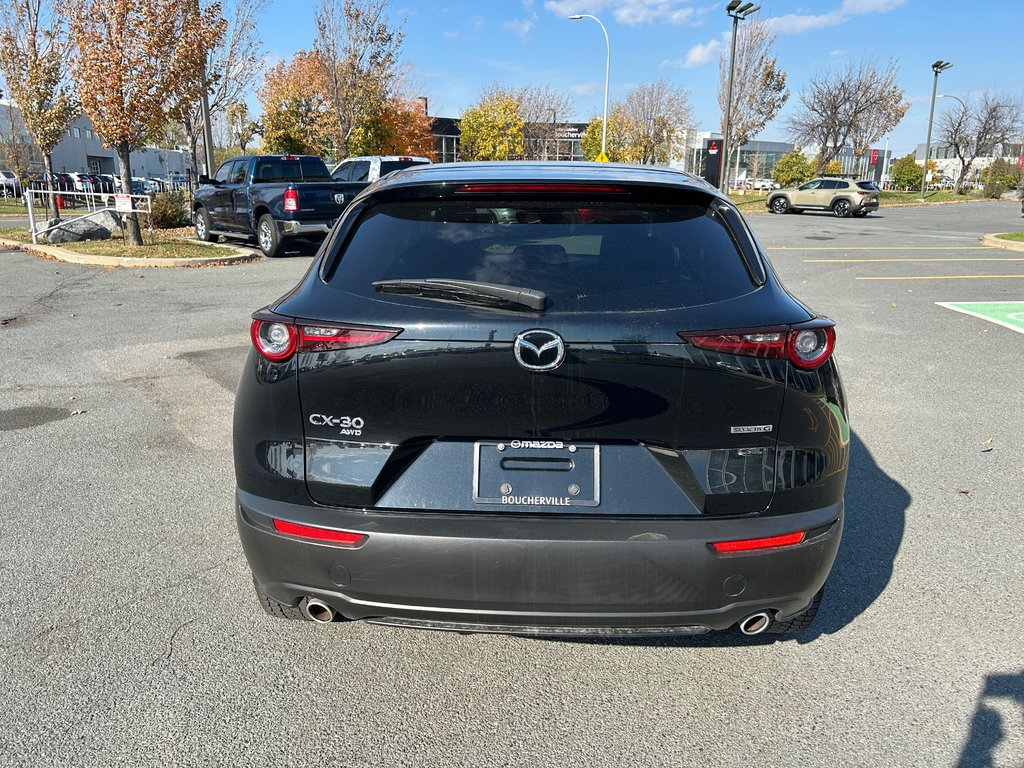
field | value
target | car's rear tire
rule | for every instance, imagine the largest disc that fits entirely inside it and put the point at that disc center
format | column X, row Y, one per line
column 267, row 236
column 278, row 610
column 202, row 224
column 841, row 209
column 779, row 205
column 797, row 623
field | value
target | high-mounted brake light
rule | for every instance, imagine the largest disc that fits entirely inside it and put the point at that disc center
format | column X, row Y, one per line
column 767, row 542
column 531, row 189
column 291, row 200
column 338, row 538
column 278, row 340
column 806, row 348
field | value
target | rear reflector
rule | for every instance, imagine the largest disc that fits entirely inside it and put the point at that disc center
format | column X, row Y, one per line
column 769, row 542
column 549, row 189
column 341, row 538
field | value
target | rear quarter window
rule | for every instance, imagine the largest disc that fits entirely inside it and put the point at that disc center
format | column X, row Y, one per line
column 387, row 166
column 587, row 257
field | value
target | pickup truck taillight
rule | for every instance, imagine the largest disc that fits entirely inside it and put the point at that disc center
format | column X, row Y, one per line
column 291, row 200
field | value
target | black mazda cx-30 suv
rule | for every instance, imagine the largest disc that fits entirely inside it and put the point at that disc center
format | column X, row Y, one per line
column 541, row 398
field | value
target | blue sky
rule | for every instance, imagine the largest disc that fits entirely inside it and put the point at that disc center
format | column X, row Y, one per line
column 455, row 49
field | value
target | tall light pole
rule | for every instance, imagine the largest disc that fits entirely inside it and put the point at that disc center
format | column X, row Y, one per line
column 938, row 66
column 736, row 10
column 607, row 70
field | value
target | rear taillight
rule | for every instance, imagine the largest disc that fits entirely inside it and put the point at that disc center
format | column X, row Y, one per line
column 277, row 340
column 805, row 348
column 329, row 535
column 291, row 200
column 767, row 542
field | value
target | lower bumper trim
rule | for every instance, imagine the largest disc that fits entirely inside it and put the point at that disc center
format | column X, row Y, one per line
column 540, row 631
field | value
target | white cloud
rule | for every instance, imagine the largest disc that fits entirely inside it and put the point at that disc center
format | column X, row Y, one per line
column 451, row 35
column 697, row 56
column 836, row 54
column 799, row 23
column 585, row 89
column 632, row 12
column 522, row 27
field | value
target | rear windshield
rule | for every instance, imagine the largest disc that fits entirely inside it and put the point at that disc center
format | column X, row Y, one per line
column 290, row 169
column 868, row 185
column 387, row 166
column 593, row 257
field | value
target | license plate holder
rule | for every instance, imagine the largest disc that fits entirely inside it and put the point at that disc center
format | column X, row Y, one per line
column 537, row 473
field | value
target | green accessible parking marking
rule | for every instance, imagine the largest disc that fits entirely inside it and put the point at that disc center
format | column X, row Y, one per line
column 1009, row 314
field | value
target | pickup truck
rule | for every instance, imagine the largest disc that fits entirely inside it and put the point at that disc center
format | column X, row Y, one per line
column 271, row 198
column 371, row 167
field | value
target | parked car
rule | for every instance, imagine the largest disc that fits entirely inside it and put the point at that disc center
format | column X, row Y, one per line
column 843, row 197
column 543, row 399
column 271, row 198
column 372, row 167
column 10, row 186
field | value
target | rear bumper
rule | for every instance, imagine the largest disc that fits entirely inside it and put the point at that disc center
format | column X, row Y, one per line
column 303, row 228
column 545, row 576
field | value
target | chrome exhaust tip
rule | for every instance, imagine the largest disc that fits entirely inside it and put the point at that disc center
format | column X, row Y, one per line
column 317, row 610
column 756, row 623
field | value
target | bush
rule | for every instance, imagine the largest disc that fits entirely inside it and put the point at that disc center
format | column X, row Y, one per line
column 170, row 210
column 906, row 173
column 792, row 169
column 994, row 188
column 1003, row 173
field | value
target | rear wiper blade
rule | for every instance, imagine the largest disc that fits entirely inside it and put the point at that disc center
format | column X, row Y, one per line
column 467, row 292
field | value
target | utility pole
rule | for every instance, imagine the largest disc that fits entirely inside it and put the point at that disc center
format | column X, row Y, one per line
column 735, row 11
column 207, row 129
column 938, row 66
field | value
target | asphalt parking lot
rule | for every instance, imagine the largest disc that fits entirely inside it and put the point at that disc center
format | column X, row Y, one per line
column 131, row 636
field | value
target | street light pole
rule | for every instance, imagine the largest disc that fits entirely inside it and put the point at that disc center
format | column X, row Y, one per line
column 938, row 66
column 607, row 71
column 735, row 11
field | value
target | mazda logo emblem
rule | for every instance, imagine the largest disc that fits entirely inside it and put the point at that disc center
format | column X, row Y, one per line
column 539, row 350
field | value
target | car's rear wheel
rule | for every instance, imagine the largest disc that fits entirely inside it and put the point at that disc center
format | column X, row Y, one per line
column 841, row 208
column 780, row 205
column 795, row 624
column 202, row 222
column 278, row 610
column 268, row 236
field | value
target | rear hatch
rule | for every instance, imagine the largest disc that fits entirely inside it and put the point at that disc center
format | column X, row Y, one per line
column 578, row 396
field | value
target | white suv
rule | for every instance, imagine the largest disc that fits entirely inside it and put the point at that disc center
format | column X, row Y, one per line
column 372, row 167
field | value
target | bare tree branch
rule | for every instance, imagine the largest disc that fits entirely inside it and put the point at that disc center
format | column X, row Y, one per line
column 975, row 130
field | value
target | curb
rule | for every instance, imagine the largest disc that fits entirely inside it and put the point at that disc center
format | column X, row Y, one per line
column 232, row 256
column 1009, row 245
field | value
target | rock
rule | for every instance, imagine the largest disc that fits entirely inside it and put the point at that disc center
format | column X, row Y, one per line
column 77, row 231
column 108, row 220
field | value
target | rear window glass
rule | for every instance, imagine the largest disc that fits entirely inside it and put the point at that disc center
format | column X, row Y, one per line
column 592, row 257
column 293, row 169
column 387, row 166
column 868, row 185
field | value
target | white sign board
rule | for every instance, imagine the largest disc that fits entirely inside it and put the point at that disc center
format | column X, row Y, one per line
column 123, row 203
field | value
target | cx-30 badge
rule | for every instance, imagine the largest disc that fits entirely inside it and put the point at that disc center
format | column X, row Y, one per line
column 539, row 350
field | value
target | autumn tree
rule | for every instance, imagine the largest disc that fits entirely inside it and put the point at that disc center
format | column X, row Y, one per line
column 241, row 129
column 493, row 128
column 540, row 108
column 854, row 106
column 359, row 50
column 906, row 172
column 975, row 130
column 132, row 61
column 33, row 49
column 401, row 127
column 792, row 169
column 620, row 144
column 297, row 111
column 234, row 65
column 759, row 87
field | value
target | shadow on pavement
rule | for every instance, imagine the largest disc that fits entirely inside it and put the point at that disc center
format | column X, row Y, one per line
column 999, row 715
column 876, row 507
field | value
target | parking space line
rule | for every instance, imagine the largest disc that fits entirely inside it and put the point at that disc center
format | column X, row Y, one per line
column 944, row 277
column 915, row 261
column 998, row 312
column 880, row 248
